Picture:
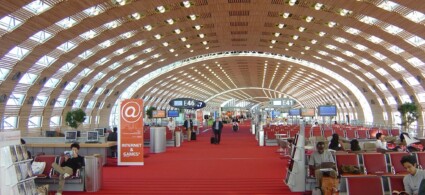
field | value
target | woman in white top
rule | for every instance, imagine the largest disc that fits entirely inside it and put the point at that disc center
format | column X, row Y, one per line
column 171, row 125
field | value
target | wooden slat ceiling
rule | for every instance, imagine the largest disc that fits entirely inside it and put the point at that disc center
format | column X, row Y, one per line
column 274, row 27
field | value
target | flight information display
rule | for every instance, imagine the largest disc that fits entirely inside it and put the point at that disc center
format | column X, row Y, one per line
column 327, row 110
column 308, row 112
column 294, row 112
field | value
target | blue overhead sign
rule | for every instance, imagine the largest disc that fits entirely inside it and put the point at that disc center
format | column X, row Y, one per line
column 187, row 103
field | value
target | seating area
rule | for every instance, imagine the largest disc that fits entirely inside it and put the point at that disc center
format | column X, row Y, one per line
column 75, row 182
column 382, row 173
column 346, row 132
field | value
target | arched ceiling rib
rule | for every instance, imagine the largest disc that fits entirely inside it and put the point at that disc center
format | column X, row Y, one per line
column 376, row 45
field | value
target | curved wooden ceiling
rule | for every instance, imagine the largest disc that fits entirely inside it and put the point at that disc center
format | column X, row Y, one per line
column 361, row 55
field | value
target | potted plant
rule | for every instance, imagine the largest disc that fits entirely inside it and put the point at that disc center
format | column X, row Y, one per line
column 149, row 112
column 75, row 117
column 409, row 114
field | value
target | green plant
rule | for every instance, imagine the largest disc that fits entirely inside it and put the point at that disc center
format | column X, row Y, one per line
column 408, row 113
column 149, row 112
column 75, row 117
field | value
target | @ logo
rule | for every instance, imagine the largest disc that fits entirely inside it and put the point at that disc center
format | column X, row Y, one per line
column 131, row 112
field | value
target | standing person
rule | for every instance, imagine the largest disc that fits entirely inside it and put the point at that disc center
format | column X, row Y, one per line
column 413, row 180
column 188, row 124
column 321, row 159
column 171, row 125
column 217, row 127
column 72, row 162
column 113, row 136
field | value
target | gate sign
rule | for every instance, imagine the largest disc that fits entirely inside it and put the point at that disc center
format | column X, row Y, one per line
column 187, row 103
column 130, row 133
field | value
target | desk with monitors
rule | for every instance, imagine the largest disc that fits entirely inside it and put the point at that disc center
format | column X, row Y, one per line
column 57, row 148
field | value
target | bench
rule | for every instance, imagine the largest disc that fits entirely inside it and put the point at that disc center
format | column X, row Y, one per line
column 73, row 183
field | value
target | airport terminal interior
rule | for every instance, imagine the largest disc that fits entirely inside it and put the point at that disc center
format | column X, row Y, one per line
column 288, row 73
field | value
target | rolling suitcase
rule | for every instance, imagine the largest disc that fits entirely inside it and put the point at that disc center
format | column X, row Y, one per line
column 235, row 128
column 193, row 136
column 213, row 140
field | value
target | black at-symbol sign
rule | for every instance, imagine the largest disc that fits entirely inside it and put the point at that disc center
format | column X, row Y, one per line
column 131, row 112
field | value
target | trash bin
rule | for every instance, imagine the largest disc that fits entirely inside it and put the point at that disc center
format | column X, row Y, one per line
column 93, row 172
column 177, row 138
column 157, row 140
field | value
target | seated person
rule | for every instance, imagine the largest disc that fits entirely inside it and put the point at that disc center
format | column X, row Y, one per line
column 354, row 146
column 335, row 143
column 69, row 166
column 413, row 180
column 321, row 159
column 381, row 144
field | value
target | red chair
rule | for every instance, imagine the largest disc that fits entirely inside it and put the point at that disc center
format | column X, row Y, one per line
column 420, row 156
column 395, row 182
column 396, row 166
column 362, row 134
column 374, row 163
column 373, row 132
column 395, row 132
column 365, row 185
column 346, row 159
column 351, row 134
column 316, row 132
column 340, row 132
column 328, row 133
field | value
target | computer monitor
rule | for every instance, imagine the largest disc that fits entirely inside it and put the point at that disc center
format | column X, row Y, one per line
column 70, row 136
column 50, row 133
column 173, row 113
column 92, row 136
column 100, row 132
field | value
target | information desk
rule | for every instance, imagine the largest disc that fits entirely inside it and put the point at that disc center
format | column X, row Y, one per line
column 58, row 148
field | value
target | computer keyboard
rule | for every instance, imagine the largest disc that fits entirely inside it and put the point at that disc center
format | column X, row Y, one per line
column 89, row 142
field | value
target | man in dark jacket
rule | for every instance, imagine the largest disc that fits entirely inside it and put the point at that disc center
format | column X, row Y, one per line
column 188, row 124
column 72, row 162
column 217, row 127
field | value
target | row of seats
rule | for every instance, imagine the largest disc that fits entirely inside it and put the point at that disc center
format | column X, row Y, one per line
column 377, row 163
column 375, row 184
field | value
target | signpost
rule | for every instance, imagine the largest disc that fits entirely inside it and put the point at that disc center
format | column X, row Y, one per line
column 187, row 103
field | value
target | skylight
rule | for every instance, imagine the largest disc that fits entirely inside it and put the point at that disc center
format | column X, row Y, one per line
column 396, row 67
column 37, row 7
column 28, row 78
column 412, row 81
column 17, row 53
column 396, row 84
column 415, row 16
column 416, row 41
column 360, row 47
column 382, row 87
column 368, row 20
column 66, row 23
column 9, row 23
column 86, row 88
column 60, row 102
column 67, row 46
column 41, row 36
column 15, row 99
column 393, row 29
column 52, row 82
column 415, row 62
column 67, row 67
column 88, row 35
column 375, row 40
column 40, row 101
column 3, row 73
column 395, row 49
column 352, row 31
column 77, row 103
column 46, row 61
column 70, row 86
column 382, row 71
column 388, row 5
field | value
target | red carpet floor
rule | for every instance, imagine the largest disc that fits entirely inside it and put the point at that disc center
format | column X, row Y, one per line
column 236, row 166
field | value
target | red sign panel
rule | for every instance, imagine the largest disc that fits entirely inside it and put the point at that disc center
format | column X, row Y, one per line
column 130, row 137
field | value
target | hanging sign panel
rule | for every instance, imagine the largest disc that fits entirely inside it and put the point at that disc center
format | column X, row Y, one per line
column 187, row 103
column 130, row 134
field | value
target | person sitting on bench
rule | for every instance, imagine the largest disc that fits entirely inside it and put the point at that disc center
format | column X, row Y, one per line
column 322, row 161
